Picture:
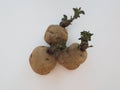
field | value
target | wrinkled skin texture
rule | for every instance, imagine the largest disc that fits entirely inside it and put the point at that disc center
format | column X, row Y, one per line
column 72, row 57
column 40, row 61
column 55, row 34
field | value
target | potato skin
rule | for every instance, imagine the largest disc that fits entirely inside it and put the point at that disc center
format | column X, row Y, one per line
column 40, row 61
column 55, row 34
column 72, row 57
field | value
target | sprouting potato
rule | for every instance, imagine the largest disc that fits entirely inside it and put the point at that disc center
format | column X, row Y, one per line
column 55, row 34
column 72, row 57
column 43, row 59
column 40, row 61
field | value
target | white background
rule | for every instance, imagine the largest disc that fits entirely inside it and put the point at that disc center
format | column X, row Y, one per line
column 22, row 27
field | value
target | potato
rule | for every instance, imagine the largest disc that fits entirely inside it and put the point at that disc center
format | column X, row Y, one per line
column 55, row 34
column 40, row 61
column 72, row 57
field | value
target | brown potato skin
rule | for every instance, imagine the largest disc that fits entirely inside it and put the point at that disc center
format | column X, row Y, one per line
column 72, row 57
column 55, row 34
column 40, row 61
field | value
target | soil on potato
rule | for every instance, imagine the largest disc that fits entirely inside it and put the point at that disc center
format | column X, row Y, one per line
column 72, row 57
column 55, row 34
column 40, row 61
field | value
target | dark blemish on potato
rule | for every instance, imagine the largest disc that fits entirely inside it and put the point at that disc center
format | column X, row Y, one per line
column 31, row 56
column 43, row 46
column 47, row 59
column 50, row 43
column 81, row 55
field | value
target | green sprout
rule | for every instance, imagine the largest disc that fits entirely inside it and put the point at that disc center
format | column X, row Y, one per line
column 55, row 49
column 66, row 22
column 85, row 37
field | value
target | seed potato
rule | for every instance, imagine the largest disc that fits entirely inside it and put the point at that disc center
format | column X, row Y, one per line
column 72, row 57
column 40, row 61
column 55, row 34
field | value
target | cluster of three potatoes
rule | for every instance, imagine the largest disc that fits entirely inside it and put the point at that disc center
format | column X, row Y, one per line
column 42, row 60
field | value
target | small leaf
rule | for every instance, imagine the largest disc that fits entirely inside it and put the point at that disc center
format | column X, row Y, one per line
column 90, row 46
column 82, row 12
column 77, row 12
column 64, row 18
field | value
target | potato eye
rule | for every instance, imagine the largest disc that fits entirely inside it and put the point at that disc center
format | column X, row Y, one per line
column 47, row 59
